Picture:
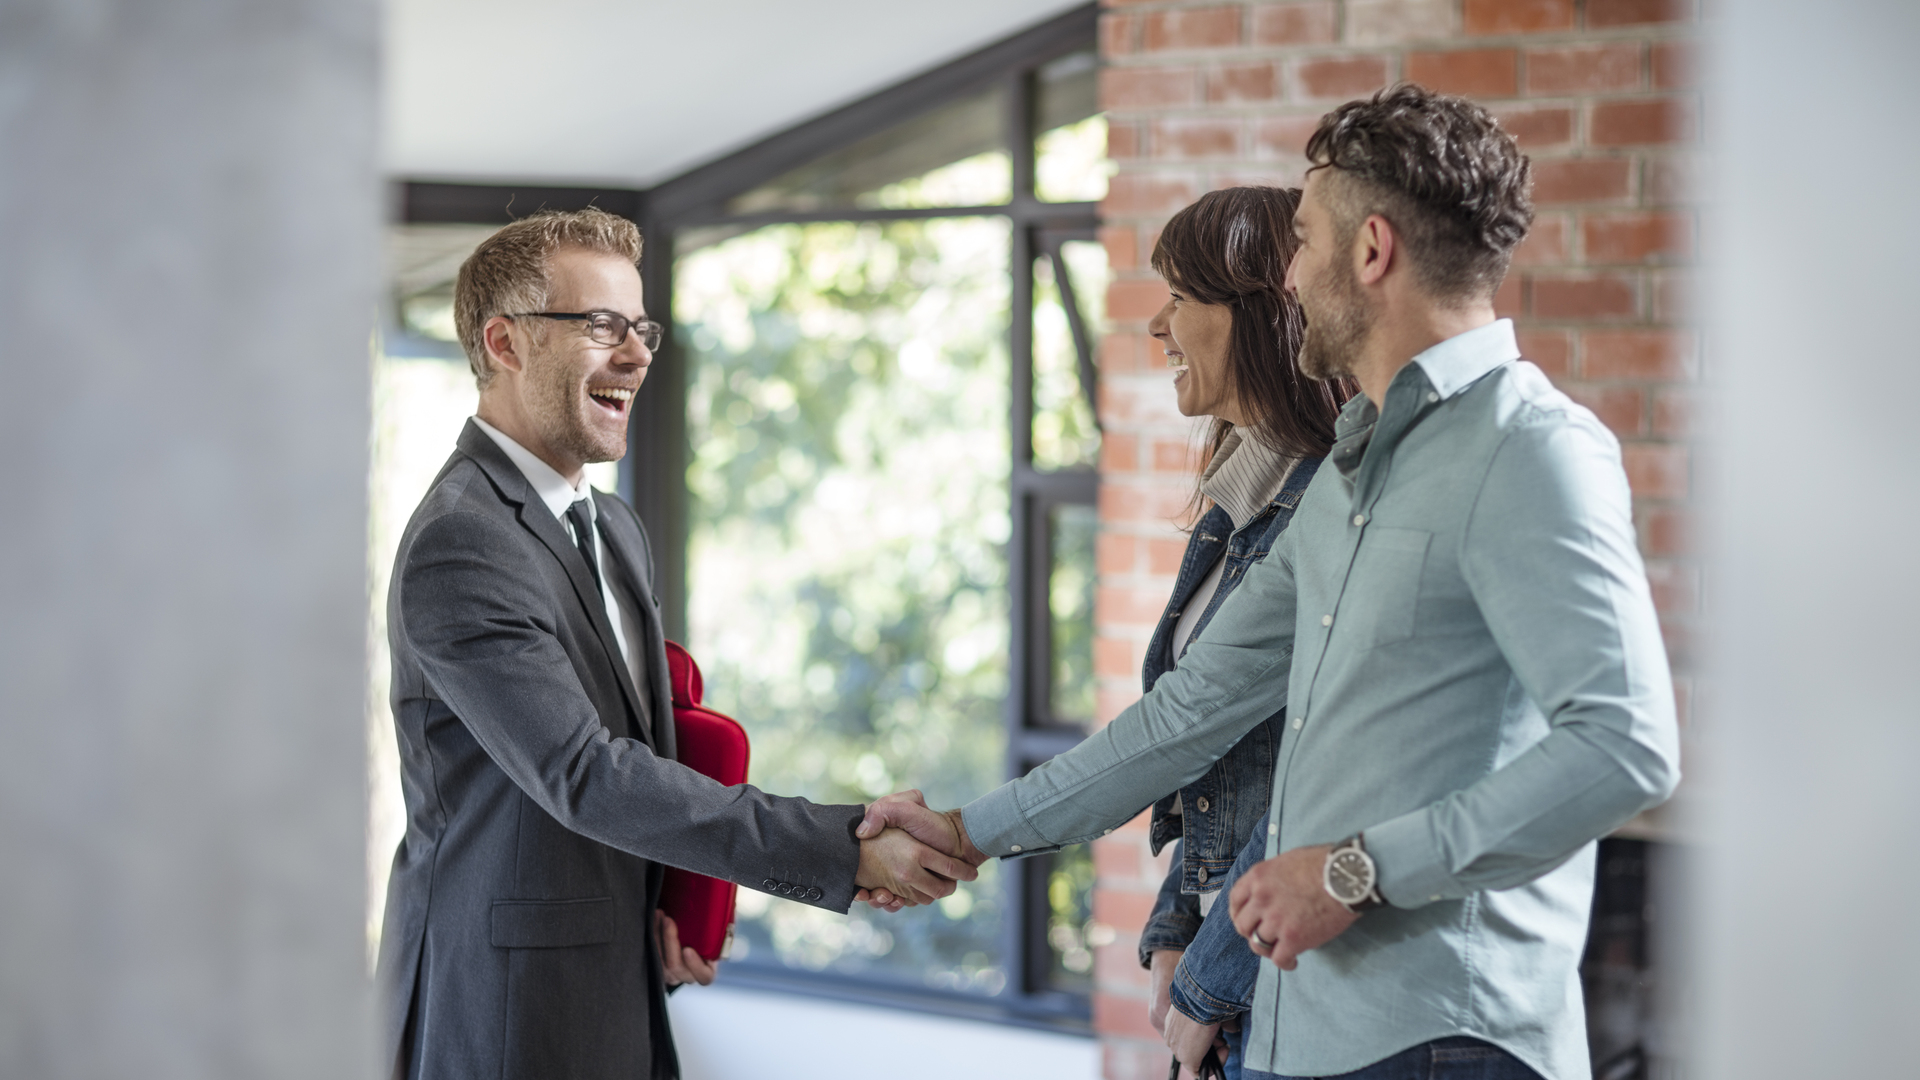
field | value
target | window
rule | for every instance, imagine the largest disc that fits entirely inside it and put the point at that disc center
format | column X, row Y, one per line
column 866, row 457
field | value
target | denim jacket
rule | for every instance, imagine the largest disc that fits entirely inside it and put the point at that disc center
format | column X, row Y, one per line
column 1225, row 806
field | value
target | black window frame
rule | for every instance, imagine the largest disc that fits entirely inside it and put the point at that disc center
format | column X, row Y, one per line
column 659, row 440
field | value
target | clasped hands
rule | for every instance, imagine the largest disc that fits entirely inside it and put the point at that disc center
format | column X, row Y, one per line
column 911, row 855
column 936, row 841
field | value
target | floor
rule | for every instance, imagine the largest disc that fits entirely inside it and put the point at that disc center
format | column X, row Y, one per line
column 732, row 1034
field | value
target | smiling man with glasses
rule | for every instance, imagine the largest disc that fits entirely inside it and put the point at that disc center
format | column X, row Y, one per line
column 532, row 707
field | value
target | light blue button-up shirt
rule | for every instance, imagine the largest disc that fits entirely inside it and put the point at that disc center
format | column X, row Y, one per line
column 1461, row 619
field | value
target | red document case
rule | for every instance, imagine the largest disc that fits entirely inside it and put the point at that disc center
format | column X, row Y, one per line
column 714, row 745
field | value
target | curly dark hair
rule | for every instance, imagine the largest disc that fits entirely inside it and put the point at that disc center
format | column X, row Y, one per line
column 1439, row 168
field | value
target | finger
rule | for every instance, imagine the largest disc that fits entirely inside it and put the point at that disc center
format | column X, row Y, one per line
column 877, row 816
column 698, row 966
column 947, row 866
column 670, row 950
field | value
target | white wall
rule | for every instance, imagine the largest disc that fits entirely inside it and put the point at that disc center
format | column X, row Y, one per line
column 188, row 228
column 729, row 1034
column 1810, row 765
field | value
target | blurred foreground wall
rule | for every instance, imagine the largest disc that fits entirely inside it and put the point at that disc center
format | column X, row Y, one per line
column 188, row 215
column 1810, row 770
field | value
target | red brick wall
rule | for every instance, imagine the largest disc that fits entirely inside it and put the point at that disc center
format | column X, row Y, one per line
column 1204, row 94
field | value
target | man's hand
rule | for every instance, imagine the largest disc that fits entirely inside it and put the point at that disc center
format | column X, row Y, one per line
column 682, row 964
column 1189, row 1040
column 1160, row 975
column 908, row 810
column 907, row 870
column 1284, row 901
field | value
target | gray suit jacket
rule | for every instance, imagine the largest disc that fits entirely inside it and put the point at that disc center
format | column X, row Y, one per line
column 517, row 939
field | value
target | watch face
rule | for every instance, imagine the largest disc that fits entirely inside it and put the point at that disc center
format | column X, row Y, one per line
column 1349, row 877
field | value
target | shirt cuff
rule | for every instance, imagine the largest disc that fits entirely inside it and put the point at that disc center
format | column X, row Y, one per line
column 1193, row 1001
column 997, row 826
column 1410, row 871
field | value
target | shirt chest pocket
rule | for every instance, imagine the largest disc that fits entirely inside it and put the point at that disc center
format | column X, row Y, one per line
column 1383, row 592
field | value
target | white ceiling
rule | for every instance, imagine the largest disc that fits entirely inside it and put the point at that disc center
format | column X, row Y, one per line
column 631, row 92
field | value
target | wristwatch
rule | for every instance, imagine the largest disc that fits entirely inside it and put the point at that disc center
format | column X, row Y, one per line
column 1350, row 876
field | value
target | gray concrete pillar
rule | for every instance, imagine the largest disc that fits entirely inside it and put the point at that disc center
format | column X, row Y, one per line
column 1808, row 945
column 189, row 215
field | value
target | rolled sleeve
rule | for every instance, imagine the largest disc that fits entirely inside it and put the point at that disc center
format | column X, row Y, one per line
column 1176, row 915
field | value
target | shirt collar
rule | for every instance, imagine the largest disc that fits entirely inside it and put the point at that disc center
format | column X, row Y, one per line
column 552, row 488
column 1460, row 361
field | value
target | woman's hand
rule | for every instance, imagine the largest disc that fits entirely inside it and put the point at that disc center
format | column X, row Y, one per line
column 1160, row 972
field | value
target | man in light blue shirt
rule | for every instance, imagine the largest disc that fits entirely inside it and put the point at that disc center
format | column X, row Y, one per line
column 1460, row 626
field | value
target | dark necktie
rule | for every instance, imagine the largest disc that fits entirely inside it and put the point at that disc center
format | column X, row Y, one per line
column 583, row 535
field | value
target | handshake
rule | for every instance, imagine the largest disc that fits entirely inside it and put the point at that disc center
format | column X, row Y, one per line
column 910, row 854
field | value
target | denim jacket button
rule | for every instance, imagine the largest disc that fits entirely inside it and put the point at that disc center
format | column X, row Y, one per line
column 1201, row 804
column 1202, row 875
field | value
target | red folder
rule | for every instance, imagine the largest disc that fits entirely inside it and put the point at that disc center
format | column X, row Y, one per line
column 714, row 745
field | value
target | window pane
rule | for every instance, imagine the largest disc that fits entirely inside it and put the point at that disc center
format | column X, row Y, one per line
column 1070, row 153
column 1072, row 935
column 847, row 408
column 423, row 261
column 953, row 156
column 1072, row 531
column 1064, row 435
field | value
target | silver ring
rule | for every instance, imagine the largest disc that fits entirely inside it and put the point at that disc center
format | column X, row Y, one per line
column 1260, row 941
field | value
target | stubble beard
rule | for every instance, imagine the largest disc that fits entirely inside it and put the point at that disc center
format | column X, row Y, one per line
column 1338, row 322
column 557, row 402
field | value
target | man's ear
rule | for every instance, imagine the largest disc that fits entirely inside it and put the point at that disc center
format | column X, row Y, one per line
column 497, row 338
column 1374, row 247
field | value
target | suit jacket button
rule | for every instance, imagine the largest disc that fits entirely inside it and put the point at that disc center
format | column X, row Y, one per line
column 815, row 894
column 770, row 885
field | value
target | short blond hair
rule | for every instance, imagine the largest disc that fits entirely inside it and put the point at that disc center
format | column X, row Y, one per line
column 510, row 272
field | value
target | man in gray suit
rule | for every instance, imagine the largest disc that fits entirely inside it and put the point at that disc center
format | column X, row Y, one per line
column 534, row 718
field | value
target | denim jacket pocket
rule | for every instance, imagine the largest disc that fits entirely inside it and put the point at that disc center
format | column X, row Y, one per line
column 1390, row 561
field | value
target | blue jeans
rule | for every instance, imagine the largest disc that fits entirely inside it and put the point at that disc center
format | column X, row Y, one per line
column 1443, row 1059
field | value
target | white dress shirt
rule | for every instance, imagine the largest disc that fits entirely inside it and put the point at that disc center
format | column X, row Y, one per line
column 558, row 495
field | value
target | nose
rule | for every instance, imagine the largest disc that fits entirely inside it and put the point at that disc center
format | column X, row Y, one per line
column 634, row 350
column 1289, row 282
column 1161, row 325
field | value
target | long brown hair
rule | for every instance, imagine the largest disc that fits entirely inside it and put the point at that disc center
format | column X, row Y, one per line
column 1232, row 247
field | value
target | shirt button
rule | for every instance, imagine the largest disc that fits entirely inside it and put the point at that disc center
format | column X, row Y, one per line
column 1273, row 829
column 1326, row 620
column 1299, row 722
column 1435, row 896
column 1109, row 832
column 1359, row 519
column 1201, row 805
column 1016, row 847
column 1432, row 396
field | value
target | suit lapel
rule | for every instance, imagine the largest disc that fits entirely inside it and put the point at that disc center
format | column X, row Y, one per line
column 538, row 520
column 630, row 564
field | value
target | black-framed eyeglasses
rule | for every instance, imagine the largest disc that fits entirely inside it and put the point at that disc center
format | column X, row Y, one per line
column 606, row 327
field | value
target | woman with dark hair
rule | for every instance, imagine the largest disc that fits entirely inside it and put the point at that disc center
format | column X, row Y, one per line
column 1233, row 334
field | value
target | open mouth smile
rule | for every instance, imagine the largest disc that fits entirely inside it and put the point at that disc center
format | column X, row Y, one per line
column 614, row 399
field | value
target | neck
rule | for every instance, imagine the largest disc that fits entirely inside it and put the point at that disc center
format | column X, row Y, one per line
column 510, row 420
column 1400, row 336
